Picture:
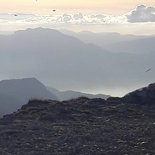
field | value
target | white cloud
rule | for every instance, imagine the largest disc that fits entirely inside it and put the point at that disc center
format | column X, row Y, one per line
column 72, row 19
column 78, row 16
column 83, row 21
column 66, row 18
column 142, row 14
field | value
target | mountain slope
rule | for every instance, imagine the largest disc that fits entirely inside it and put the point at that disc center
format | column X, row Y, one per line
column 15, row 93
column 9, row 104
column 141, row 46
column 102, row 39
column 144, row 95
column 80, row 126
column 67, row 95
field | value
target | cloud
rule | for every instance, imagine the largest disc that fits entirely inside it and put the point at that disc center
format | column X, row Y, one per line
column 73, row 19
column 61, row 19
column 142, row 14
column 64, row 20
column 78, row 16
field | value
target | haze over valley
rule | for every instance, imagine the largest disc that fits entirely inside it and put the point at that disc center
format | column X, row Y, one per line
column 67, row 62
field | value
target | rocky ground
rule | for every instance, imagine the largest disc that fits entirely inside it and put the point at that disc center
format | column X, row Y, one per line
column 79, row 127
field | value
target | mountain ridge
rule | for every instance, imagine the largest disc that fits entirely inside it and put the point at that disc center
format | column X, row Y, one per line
column 80, row 126
column 70, row 94
column 17, row 92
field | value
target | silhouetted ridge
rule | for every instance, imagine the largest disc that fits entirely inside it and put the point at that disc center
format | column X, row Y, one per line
column 82, row 126
column 42, row 32
column 141, row 96
column 70, row 94
column 16, row 92
column 144, row 95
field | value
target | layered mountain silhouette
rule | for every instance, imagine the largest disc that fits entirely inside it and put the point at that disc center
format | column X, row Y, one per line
column 65, row 62
column 70, row 94
column 141, row 46
column 105, row 40
column 82, row 126
column 17, row 92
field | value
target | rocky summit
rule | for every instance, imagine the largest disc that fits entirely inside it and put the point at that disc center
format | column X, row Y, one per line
column 79, row 127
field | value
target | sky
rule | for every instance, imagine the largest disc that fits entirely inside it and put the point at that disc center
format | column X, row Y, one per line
column 123, row 16
column 110, row 6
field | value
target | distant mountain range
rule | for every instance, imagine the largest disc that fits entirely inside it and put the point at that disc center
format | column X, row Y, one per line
column 65, row 62
column 137, row 46
column 67, row 95
column 115, row 42
column 16, row 92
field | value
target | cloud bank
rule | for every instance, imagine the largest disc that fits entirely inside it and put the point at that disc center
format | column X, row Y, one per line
column 142, row 14
column 76, row 18
column 137, row 21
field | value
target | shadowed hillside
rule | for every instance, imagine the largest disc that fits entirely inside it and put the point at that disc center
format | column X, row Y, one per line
column 16, row 92
column 80, row 126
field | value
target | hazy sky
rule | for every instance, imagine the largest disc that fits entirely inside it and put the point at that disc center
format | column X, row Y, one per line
column 123, row 16
column 108, row 6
